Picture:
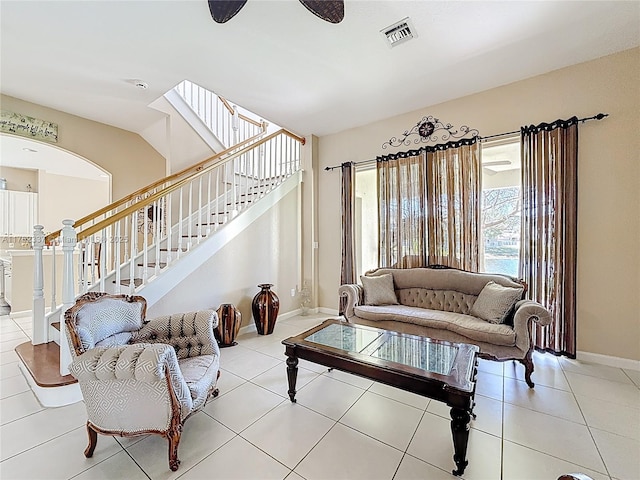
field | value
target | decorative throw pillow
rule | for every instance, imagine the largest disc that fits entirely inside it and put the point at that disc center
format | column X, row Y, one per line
column 378, row 290
column 495, row 301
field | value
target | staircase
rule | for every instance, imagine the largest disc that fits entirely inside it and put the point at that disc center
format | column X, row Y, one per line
column 146, row 243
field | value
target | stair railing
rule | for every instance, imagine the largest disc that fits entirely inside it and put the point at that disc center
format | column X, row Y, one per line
column 129, row 248
column 223, row 119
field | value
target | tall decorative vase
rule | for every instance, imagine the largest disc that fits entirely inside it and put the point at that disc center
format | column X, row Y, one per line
column 265, row 306
column 229, row 321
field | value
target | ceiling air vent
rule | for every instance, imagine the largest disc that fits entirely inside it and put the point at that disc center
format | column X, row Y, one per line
column 399, row 32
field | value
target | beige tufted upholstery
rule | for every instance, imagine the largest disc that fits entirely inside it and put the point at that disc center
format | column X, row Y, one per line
column 436, row 302
column 141, row 376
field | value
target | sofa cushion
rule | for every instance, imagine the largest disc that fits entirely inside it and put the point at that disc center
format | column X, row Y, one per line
column 199, row 373
column 495, row 301
column 465, row 325
column 105, row 318
column 379, row 290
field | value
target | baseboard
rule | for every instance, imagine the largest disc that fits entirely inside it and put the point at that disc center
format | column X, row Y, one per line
column 329, row 311
column 52, row 396
column 21, row 314
column 608, row 360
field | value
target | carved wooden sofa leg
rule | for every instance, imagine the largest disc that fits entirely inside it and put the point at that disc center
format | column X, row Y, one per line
column 93, row 441
column 527, row 361
column 173, row 435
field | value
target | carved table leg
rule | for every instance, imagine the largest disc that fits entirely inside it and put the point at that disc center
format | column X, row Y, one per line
column 460, row 430
column 292, row 376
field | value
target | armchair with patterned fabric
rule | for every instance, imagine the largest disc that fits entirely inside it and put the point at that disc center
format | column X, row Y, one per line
column 141, row 376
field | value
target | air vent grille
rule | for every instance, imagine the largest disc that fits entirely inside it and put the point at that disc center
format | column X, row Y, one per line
column 399, row 32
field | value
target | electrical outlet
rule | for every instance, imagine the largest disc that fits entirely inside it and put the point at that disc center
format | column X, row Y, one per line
column 293, row 292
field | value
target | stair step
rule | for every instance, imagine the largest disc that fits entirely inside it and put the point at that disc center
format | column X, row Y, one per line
column 153, row 264
column 220, row 222
column 56, row 325
column 43, row 363
column 126, row 281
column 174, row 249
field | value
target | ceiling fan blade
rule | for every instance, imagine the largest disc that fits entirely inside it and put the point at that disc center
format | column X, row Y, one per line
column 224, row 10
column 328, row 10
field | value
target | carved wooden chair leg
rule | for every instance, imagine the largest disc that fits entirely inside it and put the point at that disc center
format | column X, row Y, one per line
column 527, row 361
column 93, row 441
column 174, row 439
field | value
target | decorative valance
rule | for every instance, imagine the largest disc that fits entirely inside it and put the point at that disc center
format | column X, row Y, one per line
column 428, row 148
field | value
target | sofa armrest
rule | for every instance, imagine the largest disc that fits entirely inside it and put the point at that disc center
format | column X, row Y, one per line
column 354, row 295
column 191, row 334
column 526, row 312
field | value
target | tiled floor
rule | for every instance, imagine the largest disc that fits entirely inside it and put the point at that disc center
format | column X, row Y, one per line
column 579, row 418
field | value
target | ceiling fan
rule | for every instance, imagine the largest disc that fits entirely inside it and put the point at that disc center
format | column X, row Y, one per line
column 328, row 10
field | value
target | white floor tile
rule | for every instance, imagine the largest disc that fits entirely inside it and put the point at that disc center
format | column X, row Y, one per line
column 119, row 466
column 413, row 469
column 8, row 357
column 570, row 441
column 237, row 460
column 521, row 463
column 391, row 422
column 273, row 349
column 9, row 370
column 433, row 444
column 610, row 417
column 12, row 386
column 15, row 335
column 489, row 385
column 634, row 375
column 228, row 381
column 228, row 354
column 621, row 454
column 402, row 396
column 276, row 380
column 542, row 399
column 594, row 370
column 328, row 396
column 250, row 364
column 288, row 432
column 201, row 436
column 37, row 463
column 18, row 406
column 349, row 378
column 314, row 367
column 615, row 392
column 489, row 366
column 242, row 406
column 488, row 414
column 346, row 454
column 40, row 427
column 547, row 372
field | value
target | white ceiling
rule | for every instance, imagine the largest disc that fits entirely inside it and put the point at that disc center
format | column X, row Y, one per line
column 280, row 61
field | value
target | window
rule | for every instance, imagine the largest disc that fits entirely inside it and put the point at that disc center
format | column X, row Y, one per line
column 501, row 206
column 366, row 223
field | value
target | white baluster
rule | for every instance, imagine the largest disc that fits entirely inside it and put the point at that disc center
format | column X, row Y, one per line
column 69, row 240
column 40, row 329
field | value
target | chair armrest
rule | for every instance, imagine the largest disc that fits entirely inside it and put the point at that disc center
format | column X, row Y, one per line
column 191, row 334
column 354, row 295
column 526, row 312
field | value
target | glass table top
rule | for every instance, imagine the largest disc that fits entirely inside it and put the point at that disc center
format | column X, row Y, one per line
column 414, row 351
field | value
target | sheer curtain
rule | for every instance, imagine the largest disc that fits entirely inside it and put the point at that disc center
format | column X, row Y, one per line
column 348, row 197
column 401, row 207
column 549, row 228
column 453, row 204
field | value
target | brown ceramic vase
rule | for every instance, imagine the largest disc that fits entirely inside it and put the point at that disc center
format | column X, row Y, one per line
column 265, row 306
column 229, row 321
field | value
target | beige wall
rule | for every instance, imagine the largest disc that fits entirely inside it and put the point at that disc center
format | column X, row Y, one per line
column 63, row 197
column 608, row 186
column 266, row 252
column 19, row 178
column 132, row 162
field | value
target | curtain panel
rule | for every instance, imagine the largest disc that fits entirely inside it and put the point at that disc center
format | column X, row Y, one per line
column 549, row 228
column 453, row 205
column 348, row 197
column 401, row 207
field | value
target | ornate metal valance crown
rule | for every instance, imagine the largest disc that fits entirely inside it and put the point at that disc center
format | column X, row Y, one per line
column 431, row 130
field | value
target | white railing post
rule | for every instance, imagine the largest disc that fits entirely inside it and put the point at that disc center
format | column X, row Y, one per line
column 69, row 240
column 40, row 329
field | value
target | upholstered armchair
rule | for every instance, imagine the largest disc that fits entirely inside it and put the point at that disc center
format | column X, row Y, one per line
column 140, row 376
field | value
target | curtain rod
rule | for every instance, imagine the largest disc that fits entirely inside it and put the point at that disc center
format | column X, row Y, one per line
column 599, row 116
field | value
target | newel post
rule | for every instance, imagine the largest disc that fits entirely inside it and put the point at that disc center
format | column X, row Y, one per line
column 40, row 329
column 69, row 241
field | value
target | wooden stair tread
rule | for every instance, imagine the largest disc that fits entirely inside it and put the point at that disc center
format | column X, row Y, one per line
column 153, row 264
column 56, row 325
column 43, row 362
column 174, row 249
column 126, row 281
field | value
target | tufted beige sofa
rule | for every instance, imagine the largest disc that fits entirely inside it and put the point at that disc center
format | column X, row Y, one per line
column 436, row 303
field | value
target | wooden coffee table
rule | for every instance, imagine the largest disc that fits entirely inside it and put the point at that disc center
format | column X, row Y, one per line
column 443, row 371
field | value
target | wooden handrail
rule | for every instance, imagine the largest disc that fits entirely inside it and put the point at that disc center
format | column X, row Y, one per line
column 243, row 117
column 152, row 198
column 192, row 169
